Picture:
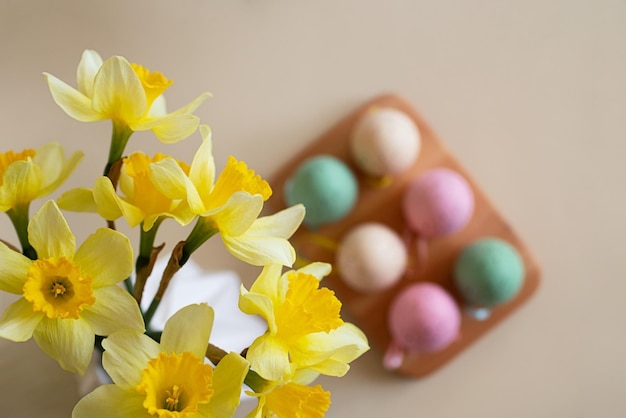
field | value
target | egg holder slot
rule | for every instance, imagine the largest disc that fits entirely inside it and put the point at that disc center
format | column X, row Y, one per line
column 383, row 203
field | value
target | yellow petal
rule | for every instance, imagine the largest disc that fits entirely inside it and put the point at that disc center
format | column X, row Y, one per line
column 193, row 105
column 126, row 355
column 282, row 224
column 271, row 283
column 188, row 329
column 260, row 251
column 55, row 169
column 19, row 321
column 330, row 353
column 202, row 171
column 106, row 256
column 118, row 92
column 14, row 270
column 111, row 206
column 170, row 179
column 228, row 377
column 20, row 184
column 73, row 102
column 169, row 129
column 78, row 200
column 49, row 233
column 265, row 242
column 109, row 401
column 238, row 214
column 293, row 400
column 88, row 67
column 115, row 309
column 269, row 357
column 69, row 341
column 257, row 304
column 317, row 269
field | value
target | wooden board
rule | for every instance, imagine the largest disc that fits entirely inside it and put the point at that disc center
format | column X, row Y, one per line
column 383, row 204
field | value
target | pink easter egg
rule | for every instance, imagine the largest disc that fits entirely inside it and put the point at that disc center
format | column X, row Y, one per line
column 437, row 203
column 424, row 318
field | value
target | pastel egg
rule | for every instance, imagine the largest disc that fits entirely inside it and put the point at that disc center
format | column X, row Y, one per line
column 489, row 272
column 384, row 141
column 437, row 203
column 371, row 257
column 325, row 186
column 424, row 318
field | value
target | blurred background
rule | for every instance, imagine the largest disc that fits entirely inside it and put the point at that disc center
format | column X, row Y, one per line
column 529, row 95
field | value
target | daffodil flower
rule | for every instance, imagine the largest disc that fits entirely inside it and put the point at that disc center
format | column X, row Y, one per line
column 128, row 94
column 29, row 175
column 291, row 400
column 141, row 200
column 168, row 379
column 231, row 206
column 306, row 334
column 67, row 296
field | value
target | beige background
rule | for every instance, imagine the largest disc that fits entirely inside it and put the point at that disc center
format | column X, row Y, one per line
column 530, row 96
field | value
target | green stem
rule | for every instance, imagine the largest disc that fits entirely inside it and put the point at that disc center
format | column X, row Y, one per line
column 145, row 259
column 119, row 138
column 19, row 217
column 254, row 381
column 147, row 316
column 146, row 244
column 201, row 232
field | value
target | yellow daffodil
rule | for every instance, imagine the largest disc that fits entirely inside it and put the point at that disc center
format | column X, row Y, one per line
column 305, row 331
column 292, row 400
column 168, row 379
column 230, row 205
column 128, row 94
column 29, row 174
column 142, row 201
column 67, row 295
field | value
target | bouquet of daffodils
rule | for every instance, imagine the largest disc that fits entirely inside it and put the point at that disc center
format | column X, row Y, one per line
column 74, row 300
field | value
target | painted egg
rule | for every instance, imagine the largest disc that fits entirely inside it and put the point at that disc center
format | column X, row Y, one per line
column 424, row 318
column 489, row 272
column 384, row 141
column 325, row 186
column 439, row 202
column 371, row 257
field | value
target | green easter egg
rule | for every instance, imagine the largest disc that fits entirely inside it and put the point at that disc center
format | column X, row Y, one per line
column 325, row 186
column 489, row 272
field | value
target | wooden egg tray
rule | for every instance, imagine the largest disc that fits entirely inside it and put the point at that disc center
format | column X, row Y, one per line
column 383, row 204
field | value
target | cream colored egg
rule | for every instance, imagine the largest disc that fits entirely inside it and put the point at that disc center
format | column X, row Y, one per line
column 385, row 141
column 371, row 257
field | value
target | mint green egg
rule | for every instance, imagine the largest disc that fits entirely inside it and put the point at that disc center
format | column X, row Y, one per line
column 488, row 272
column 325, row 186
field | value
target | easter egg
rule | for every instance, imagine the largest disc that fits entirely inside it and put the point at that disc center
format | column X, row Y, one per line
column 489, row 272
column 384, row 141
column 325, row 186
column 424, row 318
column 371, row 257
column 437, row 203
